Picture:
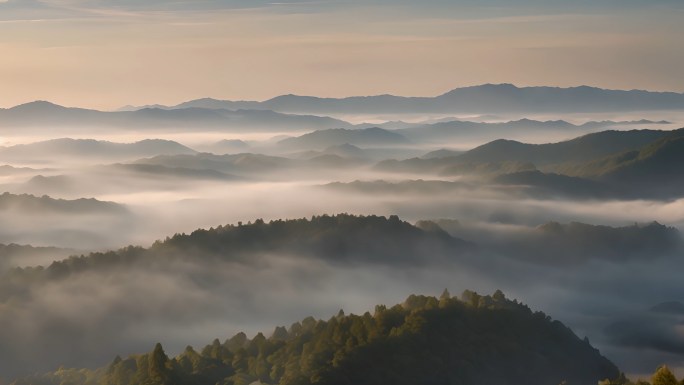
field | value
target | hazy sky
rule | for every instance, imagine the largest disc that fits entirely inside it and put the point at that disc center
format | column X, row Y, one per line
column 104, row 54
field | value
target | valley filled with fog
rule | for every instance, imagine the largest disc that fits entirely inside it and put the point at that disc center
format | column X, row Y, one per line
column 571, row 206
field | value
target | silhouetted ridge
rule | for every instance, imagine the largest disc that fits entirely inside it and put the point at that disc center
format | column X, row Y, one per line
column 654, row 170
column 373, row 136
column 580, row 149
column 338, row 238
column 33, row 204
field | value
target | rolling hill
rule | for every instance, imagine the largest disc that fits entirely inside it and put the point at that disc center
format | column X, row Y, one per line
column 474, row 340
column 322, row 139
column 26, row 203
column 581, row 149
column 68, row 148
column 574, row 243
column 653, row 171
column 245, row 163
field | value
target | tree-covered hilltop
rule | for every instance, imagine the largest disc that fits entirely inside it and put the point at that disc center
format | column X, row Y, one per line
column 341, row 238
column 473, row 339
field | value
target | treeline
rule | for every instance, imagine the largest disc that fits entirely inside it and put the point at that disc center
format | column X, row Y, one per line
column 341, row 238
column 473, row 339
column 662, row 376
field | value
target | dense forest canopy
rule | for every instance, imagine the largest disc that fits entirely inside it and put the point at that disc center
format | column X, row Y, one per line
column 474, row 339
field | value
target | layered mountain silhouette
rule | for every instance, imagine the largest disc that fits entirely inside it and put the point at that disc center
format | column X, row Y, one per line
column 42, row 115
column 37, row 205
column 88, row 148
column 456, row 131
column 26, row 255
column 322, row 139
column 157, row 171
column 609, row 164
column 485, row 98
column 563, row 244
column 242, row 164
column 654, row 170
column 250, row 165
column 581, row 149
column 414, row 187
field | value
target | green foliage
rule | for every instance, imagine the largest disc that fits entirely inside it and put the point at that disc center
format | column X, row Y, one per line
column 425, row 340
column 340, row 239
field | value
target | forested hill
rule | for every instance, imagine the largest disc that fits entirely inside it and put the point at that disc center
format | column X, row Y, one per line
column 426, row 340
column 338, row 239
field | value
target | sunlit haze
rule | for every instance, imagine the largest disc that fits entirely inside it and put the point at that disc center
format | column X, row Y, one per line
column 99, row 54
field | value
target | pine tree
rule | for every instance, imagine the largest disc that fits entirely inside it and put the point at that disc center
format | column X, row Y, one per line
column 663, row 376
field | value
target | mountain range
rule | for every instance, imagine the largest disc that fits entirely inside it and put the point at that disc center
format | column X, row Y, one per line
column 484, row 98
column 69, row 148
column 42, row 114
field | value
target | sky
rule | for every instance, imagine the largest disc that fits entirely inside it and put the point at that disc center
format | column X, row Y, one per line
column 106, row 54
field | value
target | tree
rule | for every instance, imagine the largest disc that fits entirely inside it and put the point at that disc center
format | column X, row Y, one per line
column 157, row 370
column 663, row 376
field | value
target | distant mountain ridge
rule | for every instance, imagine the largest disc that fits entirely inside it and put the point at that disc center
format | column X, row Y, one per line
column 32, row 204
column 90, row 148
column 585, row 147
column 481, row 98
column 45, row 114
column 322, row 139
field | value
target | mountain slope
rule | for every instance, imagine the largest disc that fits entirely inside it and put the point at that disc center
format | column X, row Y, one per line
column 426, row 340
column 580, row 149
column 655, row 170
column 25, row 203
column 89, row 148
column 319, row 140
column 243, row 163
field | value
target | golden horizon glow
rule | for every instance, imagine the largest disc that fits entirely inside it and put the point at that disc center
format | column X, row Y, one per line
column 104, row 59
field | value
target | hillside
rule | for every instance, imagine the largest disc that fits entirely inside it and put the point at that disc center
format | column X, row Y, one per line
column 89, row 148
column 541, row 185
column 465, row 132
column 581, row 149
column 412, row 187
column 319, row 140
column 25, row 203
column 453, row 165
column 426, row 340
column 654, row 170
column 339, row 239
column 243, row 163
column 556, row 243
column 155, row 171
column 27, row 255
column 512, row 156
column 564, row 244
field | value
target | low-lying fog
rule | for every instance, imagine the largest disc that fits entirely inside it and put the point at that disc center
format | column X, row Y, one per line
column 90, row 317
